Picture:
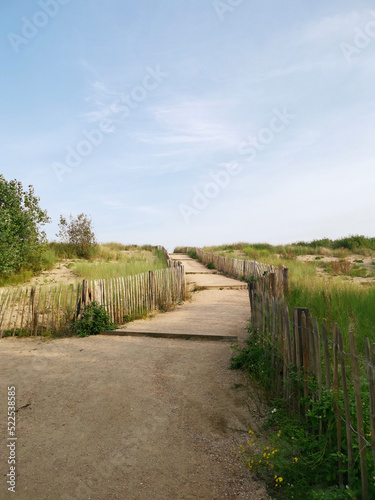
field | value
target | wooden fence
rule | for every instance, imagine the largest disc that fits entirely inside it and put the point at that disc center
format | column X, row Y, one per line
column 298, row 343
column 170, row 262
column 273, row 279
column 36, row 310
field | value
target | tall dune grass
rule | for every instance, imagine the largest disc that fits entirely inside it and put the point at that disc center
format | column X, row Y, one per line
column 108, row 260
column 115, row 263
column 350, row 305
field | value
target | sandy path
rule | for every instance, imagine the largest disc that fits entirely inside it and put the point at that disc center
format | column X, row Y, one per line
column 208, row 312
column 126, row 418
column 222, row 308
column 131, row 418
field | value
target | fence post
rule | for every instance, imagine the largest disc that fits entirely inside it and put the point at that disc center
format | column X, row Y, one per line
column 152, row 289
column 251, row 288
column 297, row 315
column 272, row 284
column 286, row 280
column 358, row 404
column 85, row 292
column 346, row 406
column 305, row 351
column 335, row 390
column 34, row 312
column 370, row 358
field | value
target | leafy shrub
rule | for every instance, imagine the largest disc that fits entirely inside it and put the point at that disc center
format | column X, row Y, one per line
column 211, row 265
column 95, row 319
column 21, row 240
column 79, row 234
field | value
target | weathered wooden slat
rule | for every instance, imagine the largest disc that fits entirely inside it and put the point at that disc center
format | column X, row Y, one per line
column 335, row 390
column 349, row 439
column 326, row 355
column 18, row 301
column 371, row 386
column 11, row 308
column 359, row 414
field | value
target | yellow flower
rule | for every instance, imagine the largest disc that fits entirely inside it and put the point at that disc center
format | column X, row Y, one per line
column 260, row 461
column 292, row 437
column 295, row 459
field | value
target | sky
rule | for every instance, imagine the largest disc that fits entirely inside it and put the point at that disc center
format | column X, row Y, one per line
column 193, row 122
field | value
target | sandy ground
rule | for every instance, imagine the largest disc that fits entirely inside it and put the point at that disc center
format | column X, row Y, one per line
column 208, row 312
column 59, row 274
column 367, row 263
column 126, row 418
column 133, row 418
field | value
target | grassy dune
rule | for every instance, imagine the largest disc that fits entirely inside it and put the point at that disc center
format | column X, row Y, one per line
column 108, row 260
column 327, row 294
column 114, row 263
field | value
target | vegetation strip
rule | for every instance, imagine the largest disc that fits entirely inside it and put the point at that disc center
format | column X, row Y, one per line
column 322, row 397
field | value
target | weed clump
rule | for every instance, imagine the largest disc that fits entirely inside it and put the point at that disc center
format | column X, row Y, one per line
column 95, row 319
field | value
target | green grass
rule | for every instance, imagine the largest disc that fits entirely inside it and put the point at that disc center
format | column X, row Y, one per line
column 16, row 279
column 350, row 304
column 113, row 263
column 108, row 260
column 337, row 248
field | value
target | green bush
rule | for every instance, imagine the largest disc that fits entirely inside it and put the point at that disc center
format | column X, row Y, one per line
column 95, row 319
column 78, row 232
column 192, row 254
column 22, row 242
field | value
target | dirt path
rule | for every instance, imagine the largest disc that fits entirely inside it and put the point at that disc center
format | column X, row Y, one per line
column 129, row 418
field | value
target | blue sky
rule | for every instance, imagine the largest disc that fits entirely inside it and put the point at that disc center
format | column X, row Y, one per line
column 193, row 122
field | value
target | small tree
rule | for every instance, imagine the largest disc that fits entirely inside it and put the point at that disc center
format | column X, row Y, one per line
column 78, row 232
column 21, row 238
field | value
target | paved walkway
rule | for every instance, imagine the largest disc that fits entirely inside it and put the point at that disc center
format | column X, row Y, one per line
column 218, row 310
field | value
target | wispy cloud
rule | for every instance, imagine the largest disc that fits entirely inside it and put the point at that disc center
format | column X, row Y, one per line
column 114, row 204
column 196, row 122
